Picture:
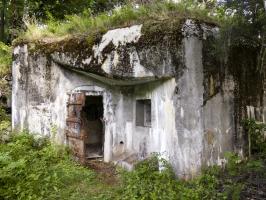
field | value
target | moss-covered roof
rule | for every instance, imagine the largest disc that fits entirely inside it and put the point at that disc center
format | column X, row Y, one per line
column 149, row 39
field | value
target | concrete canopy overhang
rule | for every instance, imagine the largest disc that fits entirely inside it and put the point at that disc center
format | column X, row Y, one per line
column 113, row 81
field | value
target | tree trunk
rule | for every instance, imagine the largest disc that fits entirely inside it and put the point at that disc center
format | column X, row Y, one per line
column 25, row 11
column 16, row 7
column 2, row 26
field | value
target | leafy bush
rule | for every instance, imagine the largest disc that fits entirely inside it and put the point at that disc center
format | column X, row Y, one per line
column 233, row 161
column 5, row 71
column 5, row 59
column 35, row 169
column 148, row 182
column 5, row 126
column 256, row 137
column 240, row 174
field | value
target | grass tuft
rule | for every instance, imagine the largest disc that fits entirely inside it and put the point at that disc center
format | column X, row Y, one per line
column 86, row 24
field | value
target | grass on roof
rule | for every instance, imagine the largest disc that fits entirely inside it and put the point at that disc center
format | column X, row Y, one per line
column 86, row 24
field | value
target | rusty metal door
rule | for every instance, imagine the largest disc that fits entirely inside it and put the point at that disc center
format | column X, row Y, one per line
column 75, row 138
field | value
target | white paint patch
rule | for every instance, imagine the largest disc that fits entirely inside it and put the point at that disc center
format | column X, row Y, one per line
column 87, row 61
column 106, row 66
column 91, row 88
column 118, row 37
column 182, row 112
column 18, row 111
column 16, row 50
column 139, row 70
column 39, row 119
column 109, row 62
column 174, row 1
column 129, row 135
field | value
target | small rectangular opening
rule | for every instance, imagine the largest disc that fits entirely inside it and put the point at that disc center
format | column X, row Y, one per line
column 143, row 112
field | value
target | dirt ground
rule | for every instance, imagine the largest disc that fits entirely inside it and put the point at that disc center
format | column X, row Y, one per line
column 106, row 172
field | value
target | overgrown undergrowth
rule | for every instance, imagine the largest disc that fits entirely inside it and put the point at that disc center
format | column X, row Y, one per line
column 5, row 59
column 33, row 168
column 5, row 70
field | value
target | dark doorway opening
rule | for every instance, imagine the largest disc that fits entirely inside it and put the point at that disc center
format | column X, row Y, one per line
column 92, row 126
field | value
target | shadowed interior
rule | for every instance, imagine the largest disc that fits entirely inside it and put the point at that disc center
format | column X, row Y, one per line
column 92, row 126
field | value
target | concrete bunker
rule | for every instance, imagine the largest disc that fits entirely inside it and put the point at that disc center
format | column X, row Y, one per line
column 131, row 93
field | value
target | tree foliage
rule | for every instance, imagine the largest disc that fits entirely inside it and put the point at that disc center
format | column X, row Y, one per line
column 247, row 26
column 249, row 18
column 14, row 13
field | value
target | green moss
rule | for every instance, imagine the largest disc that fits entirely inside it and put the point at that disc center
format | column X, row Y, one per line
column 154, row 32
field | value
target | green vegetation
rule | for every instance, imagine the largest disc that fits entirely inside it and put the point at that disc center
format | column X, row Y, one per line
column 5, row 74
column 33, row 168
column 5, row 59
column 87, row 24
column 246, row 30
column 5, row 125
column 243, row 178
column 36, row 169
column 233, row 181
column 13, row 13
column 256, row 137
column 147, row 182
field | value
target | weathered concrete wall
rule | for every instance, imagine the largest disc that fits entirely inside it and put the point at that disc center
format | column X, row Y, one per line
column 39, row 103
column 192, row 97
